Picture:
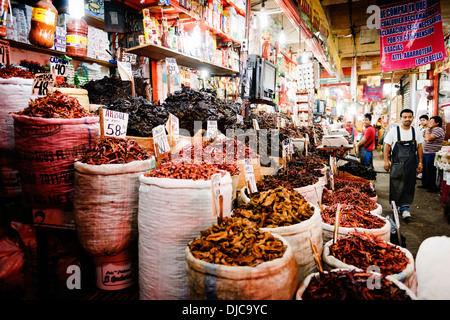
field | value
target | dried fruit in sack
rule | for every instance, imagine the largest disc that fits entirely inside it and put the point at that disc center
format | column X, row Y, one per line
column 55, row 105
column 352, row 217
column 276, row 208
column 180, row 170
column 348, row 195
column 111, row 150
column 363, row 250
column 351, row 285
column 236, row 242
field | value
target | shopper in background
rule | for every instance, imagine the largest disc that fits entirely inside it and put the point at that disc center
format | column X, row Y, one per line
column 367, row 143
column 351, row 129
column 403, row 158
column 378, row 127
column 423, row 122
column 433, row 137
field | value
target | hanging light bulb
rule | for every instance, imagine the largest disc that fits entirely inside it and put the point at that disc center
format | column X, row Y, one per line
column 282, row 38
column 263, row 15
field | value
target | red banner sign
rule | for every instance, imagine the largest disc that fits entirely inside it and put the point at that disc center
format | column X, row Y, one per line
column 411, row 34
column 373, row 93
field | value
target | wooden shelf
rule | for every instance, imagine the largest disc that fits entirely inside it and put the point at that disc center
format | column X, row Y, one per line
column 30, row 47
column 231, row 4
column 156, row 52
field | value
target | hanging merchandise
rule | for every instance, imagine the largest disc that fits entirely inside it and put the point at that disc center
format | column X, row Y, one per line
column 43, row 24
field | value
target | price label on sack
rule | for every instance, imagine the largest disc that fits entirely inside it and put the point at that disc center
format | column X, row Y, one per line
column 125, row 71
column 59, row 66
column 250, row 175
column 43, row 82
column 288, row 146
column 173, row 125
column 114, row 123
column 160, row 139
column 172, row 66
column 211, row 129
column 4, row 52
column 215, row 185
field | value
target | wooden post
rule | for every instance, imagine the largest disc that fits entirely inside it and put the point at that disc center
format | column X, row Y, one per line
column 102, row 125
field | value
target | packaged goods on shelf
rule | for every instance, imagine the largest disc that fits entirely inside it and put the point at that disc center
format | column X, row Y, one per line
column 98, row 43
column 60, row 39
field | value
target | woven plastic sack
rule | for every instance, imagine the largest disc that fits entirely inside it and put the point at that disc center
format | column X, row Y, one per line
column 298, row 236
column 172, row 212
column 306, row 282
column 16, row 94
column 106, row 205
column 271, row 280
column 312, row 193
column 383, row 232
column 47, row 149
column 407, row 276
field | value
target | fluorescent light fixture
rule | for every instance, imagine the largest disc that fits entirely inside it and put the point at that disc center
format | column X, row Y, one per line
column 76, row 8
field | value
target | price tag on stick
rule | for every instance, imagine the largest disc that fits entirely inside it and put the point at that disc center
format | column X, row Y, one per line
column 42, row 84
column 217, row 200
column 4, row 52
column 113, row 123
column 59, row 66
column 160, row 141
column 336, row 223
column 250, row 176
column 211, row 129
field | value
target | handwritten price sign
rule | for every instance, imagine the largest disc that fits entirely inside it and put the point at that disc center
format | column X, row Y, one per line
column 4, row 52
column 115, row 123
column 160, row 139
column 59, row 66
column 43, row 82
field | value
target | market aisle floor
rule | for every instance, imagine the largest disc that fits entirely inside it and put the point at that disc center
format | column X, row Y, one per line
column 427, row 218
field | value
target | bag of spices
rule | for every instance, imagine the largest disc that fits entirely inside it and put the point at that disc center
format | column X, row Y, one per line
column 175, row 204
column 218, row 266
column 49, row 135
column 365, row 251
column 106, row 195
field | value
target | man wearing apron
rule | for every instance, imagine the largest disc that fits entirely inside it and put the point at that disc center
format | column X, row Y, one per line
column 405, row 142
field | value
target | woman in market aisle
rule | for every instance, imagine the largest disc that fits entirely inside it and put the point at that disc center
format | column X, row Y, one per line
column 367, row 142
column 433, row 137
column 405, row 141
column 351, row 129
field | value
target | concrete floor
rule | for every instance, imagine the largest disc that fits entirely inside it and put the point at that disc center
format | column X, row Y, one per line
column 427, row 218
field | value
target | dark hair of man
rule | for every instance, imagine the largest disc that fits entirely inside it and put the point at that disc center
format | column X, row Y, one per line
column 424, row 116
column 406, row 111
column 438, row 120
column 368, row 116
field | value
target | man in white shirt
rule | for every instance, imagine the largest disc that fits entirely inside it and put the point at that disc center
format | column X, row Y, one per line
column 403, row 155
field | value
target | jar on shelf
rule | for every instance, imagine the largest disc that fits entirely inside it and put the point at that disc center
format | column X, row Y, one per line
column 3, row 17
column 43, row 24
column 77, row 37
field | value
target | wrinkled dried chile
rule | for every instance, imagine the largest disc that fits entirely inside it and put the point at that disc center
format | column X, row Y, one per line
column 363, row 250
column 361, row 185
column 348, row 195
column 352, row 217
column 180, row 170
column 351, row 285
column 111, row 150
column 236, row 242
column 14, row 72
column 55, row 105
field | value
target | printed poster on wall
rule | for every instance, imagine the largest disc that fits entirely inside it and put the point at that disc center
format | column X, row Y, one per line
column 373, row 93
column 411, row 35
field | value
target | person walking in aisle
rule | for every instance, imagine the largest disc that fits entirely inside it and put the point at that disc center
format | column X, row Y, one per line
column 403, row 145
column 367, row 143
column 433, row 137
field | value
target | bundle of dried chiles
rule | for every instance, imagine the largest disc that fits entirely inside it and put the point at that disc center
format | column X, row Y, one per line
column 55, row 105
column 236, row 242
column 362, row 250
column 14, row 72
column 182, row 170
column 111, row 150
column 348, row 195
column 276, row 208
column 361, row 184
column 352, row 285
column 290, row 178
column 196, row 153
column 309, row 163
column 230, row 150
column 352, row 217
